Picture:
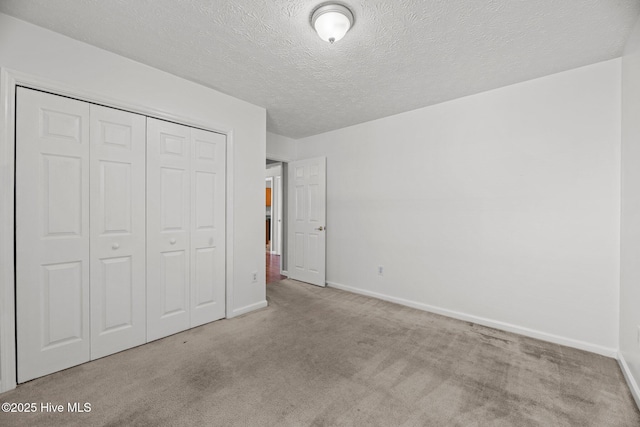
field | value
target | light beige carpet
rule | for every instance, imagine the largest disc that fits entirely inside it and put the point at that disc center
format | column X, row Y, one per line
column 323, row 357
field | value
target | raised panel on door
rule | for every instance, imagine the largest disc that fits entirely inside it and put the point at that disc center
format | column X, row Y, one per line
column 306, row 219
column 118, row 258
column 62, row 195
column 168, row 228
column 115, row 291
column 173, row 199
column 62, row 304
column 174, row 283
column 299, row 251
column 299, row 247
column 207, row 226
column 52, row 233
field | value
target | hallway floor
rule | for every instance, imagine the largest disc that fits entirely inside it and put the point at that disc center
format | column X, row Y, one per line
column 273, row 268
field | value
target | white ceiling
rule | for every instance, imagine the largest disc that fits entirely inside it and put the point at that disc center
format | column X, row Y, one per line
column 400, row 54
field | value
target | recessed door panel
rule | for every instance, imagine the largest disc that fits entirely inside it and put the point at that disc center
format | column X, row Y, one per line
column 62, row 195
column 118, row 135
column 59, row 125
column 117, row 294
column 116, row 200
column 313, row 243
column 205, row 289
column 174, row 283
column 52, row 233
column 314, row 203
column 172, row 196
column 63, row 304
column 205, row 200
column 173, row 144
column 298, row 250
column 118, row 312
column 206, row 150
column 298, row 203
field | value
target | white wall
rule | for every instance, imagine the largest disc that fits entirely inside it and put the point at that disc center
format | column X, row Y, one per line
column 630, row 234
column 280, row 147
column 500, row 208
column 273, row 170
column 42, row 53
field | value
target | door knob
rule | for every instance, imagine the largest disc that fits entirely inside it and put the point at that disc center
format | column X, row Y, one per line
column 115, row 246
column 321, row 228
column 210, row 241
column 172, row 241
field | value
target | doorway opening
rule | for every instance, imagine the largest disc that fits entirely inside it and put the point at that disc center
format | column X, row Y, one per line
column 295, row 223
column 275, row 224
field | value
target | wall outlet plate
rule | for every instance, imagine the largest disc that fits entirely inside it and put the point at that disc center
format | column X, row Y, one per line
column 380, row 270
column 254, row 277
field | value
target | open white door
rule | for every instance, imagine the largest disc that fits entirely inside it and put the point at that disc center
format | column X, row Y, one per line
column 307, row 190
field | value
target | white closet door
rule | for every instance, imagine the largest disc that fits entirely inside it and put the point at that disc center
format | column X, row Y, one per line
column 52, row 233
column 168, row 225
column 207, row 227
column 118, row 300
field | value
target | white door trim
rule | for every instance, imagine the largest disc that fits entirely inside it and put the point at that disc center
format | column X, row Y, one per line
column 277, row 217
column 9, row 79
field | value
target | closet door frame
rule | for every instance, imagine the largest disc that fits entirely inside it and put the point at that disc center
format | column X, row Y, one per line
column 9, row 81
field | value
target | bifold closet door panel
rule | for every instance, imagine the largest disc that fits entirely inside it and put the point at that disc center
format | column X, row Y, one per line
column 168, row 225
column 52, row 233
column 118, row 292
column 207, row 226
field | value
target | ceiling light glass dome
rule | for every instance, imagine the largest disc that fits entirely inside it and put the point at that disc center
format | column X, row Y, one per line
column 331, row 22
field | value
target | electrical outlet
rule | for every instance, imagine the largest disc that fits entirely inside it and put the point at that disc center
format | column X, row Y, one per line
column 254, row 277
column 380, row 270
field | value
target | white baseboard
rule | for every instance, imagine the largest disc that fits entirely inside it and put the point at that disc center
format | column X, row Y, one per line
column 631, row 381
column 556, row 339
column 252, row 307
column 284, row 273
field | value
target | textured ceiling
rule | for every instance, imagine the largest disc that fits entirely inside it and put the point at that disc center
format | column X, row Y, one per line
column 400, row 54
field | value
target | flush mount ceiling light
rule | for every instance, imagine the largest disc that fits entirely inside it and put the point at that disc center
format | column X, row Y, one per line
column 331, row 21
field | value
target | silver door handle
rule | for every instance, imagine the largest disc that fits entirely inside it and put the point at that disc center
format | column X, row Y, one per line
column 321, row 228
column 172, row 241
column 115, row 246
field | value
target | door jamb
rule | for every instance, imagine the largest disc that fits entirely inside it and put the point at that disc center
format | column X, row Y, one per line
column 283, row 208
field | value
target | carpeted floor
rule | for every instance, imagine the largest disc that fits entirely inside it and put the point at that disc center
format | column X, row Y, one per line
column 319, row 357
